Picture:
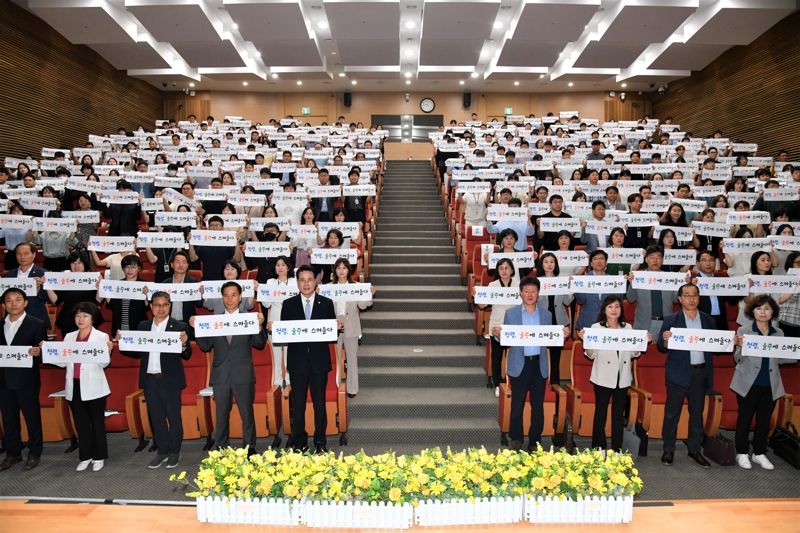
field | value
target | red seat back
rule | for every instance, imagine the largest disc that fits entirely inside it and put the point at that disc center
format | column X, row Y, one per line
column 649, row 373
column 123, row 378
column 581, row 371
column 196, row 370
column 724, row 367
column 52, row 379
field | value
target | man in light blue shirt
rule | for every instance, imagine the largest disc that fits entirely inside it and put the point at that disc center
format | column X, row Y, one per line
column 522, row 228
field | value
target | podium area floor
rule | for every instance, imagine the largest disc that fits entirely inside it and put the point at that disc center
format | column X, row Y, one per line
column 735, row 516
column 126, row 477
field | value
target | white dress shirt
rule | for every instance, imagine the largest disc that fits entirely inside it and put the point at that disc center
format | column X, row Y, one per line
column 21, row 274
column 10, row 328
column 154, row 361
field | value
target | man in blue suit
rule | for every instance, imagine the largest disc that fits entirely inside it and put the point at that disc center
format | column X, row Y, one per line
column 527, row 366
column 689, row 375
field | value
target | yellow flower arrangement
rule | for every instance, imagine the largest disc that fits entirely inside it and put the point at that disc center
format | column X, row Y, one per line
column 432, row 473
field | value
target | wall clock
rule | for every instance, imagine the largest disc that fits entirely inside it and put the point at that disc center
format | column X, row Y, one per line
column 427, row 105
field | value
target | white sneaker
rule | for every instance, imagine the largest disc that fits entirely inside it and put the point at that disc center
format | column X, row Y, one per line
column 497, row 392
column 83, row 465
column 97, row 465
column 743, row 461
column 762, row 461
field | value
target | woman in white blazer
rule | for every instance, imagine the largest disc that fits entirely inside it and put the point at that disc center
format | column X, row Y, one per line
column 348, row 313
column 611, row 375
column 86, row 389
column 757, row 383
column 282, row 279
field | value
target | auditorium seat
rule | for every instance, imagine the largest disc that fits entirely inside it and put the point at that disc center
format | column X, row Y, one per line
column 335, row 406
column 472, row 246
column 791, row 382
column 56, row 421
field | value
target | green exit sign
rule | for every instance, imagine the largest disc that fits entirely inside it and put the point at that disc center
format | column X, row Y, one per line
column 508, row 111
column 306, row 110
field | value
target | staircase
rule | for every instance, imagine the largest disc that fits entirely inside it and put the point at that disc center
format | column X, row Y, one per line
column 421, row 376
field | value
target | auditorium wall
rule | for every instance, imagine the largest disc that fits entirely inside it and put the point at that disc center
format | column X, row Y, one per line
column 750, row 92
column 55, row 93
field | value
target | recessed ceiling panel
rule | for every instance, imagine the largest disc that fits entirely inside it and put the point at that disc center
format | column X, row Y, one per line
column 688, row 56
column 364, row 20
column 85, row 25
column 737, row 26
column 612, row 55
column 457, row 20
column 375, row 52
column 519, row 53
column 553, row 22
column 645, row 24
column 130, row 55
column 175, row 23
column 268, row 22
column 450, row 51
column 205, row 54
column 297, row 52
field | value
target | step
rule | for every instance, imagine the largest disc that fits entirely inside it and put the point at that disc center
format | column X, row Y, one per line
column 487, row 411
column 399, row 267
column 378, row 336
column 410, row 439
column 411, row 249
column 422, row 292
column 424, row 422
column 418, row 304
column 414, row 279
column 420, row 257
column 398, row 356
column 422, row 377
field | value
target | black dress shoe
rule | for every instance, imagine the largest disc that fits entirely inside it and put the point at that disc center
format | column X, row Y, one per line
column 10, row 461
column 667, row 457
column 320, row 450
column 31, row 462
column 698, row 458
column 351, row 395
column 516, row 445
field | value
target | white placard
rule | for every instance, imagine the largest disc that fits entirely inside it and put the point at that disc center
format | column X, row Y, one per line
column 200, row 237
column 641, row 220
column 624, row 256
column 286, row 331
column 247, row 200
column 732, row 245
column 347, row 292
column 498, row 295
column 348, row 229
column 117, row 289
column 538, row 208
column 631, row 340
column 784, row 194
column 267, row 249
column 16, row 221
column 70, row 281
column 157, row 239
column 711, row 229
column 224, row 325
column 276, row 294
column 571, row 258
column 179, row 219
column 325, row 191
column 39, row 203
column 773, row 347
column 520, row 259
column 785, row 242
column 120, row 197
column 15, row 357
column 599, row 284
column 658, row 281
column 655, row 205
column 213, row 289
column 734, row 286
column 701, row 340
column 532, row 335
column 178, row 292
column 83, row 217
column 56, row 225
column 109, row 245
column 681, row 234
column 358, row 190
column 772, row 284
column 83, row 185
column 27, row 285
column 150, row 341
column 554, row 225
column 599, row 227
column 554, row 286
column 748, row 217
column 328, row 256
column 500, row 212
column 680, row 257
column 54, row 353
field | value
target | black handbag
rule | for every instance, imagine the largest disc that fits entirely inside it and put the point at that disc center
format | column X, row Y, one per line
column 786, row 444
column 643, row 439
column 565, row 439
column 720, row 449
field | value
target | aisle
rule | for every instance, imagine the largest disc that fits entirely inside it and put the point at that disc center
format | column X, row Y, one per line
column 421, row 375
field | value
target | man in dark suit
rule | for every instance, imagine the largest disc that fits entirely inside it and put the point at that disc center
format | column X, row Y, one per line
column 162, row 377
column 232, row 372
column 689, row 375
column 182, row 311
column 19, row 387
column 324, row 207
column 26, row 254
column 713, row 306
column 308, row 363
column 124, row 217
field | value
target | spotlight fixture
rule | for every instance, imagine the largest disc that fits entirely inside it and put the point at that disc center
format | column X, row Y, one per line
column 191, row 84
column 410, row 24
column 623, row 85
column 408, row 82
column 407, row 74
column 461, row 82
column 570, row 84
column 299, row 82
column 341, row 74
column 244, row 83
column 274, row 75
column 474, row 75
column 516, row 84
column 354, row 82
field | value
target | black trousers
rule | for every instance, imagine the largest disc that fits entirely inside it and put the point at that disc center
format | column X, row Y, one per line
column 721, row 320
column 245, row 394
column 618, row 398
column 301, row 383
column 758, row 402
column 555, row 364
column 164, row 408
column 529, row 380
column 11, row 403
column 90, row 423
column 497, row 362
column 695, row 395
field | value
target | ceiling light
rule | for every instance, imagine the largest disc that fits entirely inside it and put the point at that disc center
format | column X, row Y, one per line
column 322, row 24
column 191, row 84
column 497, row 25
column 541, row 76
column 299, row 82
column 274, row 75
column 354, row 82
column 409, row 54
column 333, row 53
column 408, row 82
column 244, row 83
column 516, row 84
column 461, row 82
column 570, row 84
column 474, row 75
column 235, row 26
column 407, row 74
column 410, row 24
column 623, row 85
column 341, row 74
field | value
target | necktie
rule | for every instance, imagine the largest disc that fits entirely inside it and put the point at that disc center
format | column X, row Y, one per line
column 230, row 338
column 308, row 310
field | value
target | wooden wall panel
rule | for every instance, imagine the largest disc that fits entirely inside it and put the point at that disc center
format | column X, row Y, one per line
column 54, row 93
column 749, row 92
